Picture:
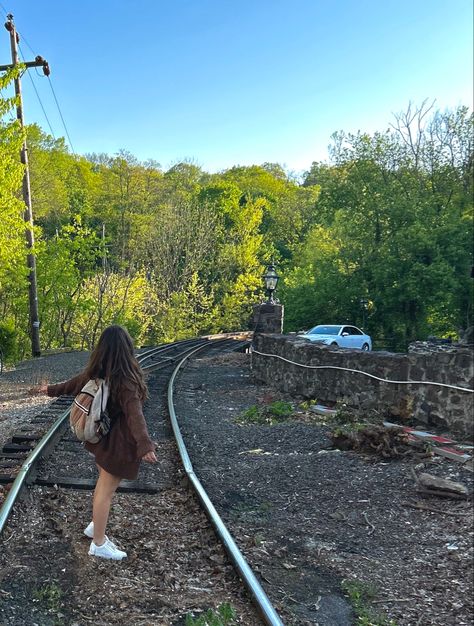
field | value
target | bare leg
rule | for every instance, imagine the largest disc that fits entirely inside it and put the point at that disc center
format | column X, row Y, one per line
column 104, row 490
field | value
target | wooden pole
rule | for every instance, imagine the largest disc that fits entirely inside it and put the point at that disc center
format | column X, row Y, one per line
column 28, row 214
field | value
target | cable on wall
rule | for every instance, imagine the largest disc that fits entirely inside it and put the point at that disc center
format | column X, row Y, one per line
column 347, row 369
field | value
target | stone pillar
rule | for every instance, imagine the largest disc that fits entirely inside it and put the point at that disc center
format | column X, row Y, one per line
column 268, row 318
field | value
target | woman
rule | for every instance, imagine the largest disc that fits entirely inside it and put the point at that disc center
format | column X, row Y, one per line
column 119, row 453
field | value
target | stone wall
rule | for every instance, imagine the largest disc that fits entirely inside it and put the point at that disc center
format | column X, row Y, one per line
column 442, row 407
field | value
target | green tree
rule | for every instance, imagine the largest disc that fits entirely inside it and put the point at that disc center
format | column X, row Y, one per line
column 400, row 204
column 64, row 263
column 13, row 270
column 289, row 210
column 112, row 298
column 188, row 312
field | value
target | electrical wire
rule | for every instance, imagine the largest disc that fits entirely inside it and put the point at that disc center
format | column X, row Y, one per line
column 42, row 107
column 22, row 56
column 38, row 96
column 23, row 38
column 4, row 9
column 347, row 369
column 61, row 115
column 52, row 90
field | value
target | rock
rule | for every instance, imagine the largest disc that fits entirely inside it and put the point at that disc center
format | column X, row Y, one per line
column 430, row 482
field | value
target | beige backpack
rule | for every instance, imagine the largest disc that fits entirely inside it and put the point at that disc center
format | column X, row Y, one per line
column 89, row 419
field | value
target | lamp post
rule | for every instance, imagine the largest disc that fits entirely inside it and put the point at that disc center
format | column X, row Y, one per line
column 271, row 280
column 364, row 303
column 268, row 315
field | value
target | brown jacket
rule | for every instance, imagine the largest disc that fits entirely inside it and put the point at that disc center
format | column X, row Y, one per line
column 120, row 452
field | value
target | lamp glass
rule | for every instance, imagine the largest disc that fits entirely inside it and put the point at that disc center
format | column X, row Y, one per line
column 271, row 278
column 271, row 282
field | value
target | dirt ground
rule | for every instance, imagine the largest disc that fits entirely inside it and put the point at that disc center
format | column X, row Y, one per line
column 335, row 535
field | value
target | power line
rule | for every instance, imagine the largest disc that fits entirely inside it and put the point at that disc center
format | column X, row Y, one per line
column 42, row 107
column 22, row 37
column 61, row 115
column 38, row 96
column 52, row 90
column 4, row 9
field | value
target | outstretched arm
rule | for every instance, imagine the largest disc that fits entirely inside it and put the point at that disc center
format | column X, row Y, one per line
column 38, row 390
column 68, row 387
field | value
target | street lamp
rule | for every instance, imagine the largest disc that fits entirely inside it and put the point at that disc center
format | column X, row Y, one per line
column 271, row 279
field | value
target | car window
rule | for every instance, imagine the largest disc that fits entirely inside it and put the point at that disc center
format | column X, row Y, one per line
column 355, row 331
column 346, row 329
column 324, row 330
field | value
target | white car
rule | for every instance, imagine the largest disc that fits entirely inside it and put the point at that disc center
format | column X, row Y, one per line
column 340, row 335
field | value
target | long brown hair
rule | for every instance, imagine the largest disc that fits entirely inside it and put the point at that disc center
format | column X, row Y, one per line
column 113, row 358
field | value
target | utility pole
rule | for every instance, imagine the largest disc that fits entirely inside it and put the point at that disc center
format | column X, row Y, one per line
column 28, row 214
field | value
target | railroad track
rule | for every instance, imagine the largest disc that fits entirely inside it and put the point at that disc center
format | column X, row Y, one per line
column 27, row 439
column 70, row 471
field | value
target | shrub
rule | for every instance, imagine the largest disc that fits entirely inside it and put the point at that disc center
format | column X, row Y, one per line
column 8, row 341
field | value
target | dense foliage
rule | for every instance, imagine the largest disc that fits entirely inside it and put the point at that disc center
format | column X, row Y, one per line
column 177, row 253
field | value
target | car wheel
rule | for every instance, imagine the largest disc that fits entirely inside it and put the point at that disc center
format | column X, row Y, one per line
column 365, row 347
column 334, row 343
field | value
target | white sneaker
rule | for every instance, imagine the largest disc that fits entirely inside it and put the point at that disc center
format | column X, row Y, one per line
column 107, row 551
column 89, row 531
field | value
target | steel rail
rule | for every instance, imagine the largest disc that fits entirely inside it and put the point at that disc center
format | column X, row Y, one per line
column 164, row 360
column 259, row 596
column 151, row 352
column 25, row 469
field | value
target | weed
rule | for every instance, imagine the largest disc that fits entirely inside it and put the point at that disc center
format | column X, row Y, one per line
column 272, row 413
column 344, row 415
column 50, row 595
column 346, row 429
column 280, row 409
column 258, row 540
column 265, row 507
column 361, row 595
column 224, row 615
column 429, row 448
column 307, row 404
column 251, row 415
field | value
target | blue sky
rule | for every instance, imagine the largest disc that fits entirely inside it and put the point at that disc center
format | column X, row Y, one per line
column 226, row 83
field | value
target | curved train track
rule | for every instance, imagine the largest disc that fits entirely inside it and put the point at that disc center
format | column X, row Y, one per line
column 28, row 459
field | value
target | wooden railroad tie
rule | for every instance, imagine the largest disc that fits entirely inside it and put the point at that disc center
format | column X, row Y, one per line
column 12, row 455
column 18, row 447
column 21, row 437
column 126, row 486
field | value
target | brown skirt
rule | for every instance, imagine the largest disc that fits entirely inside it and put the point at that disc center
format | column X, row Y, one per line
column 117, row 452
